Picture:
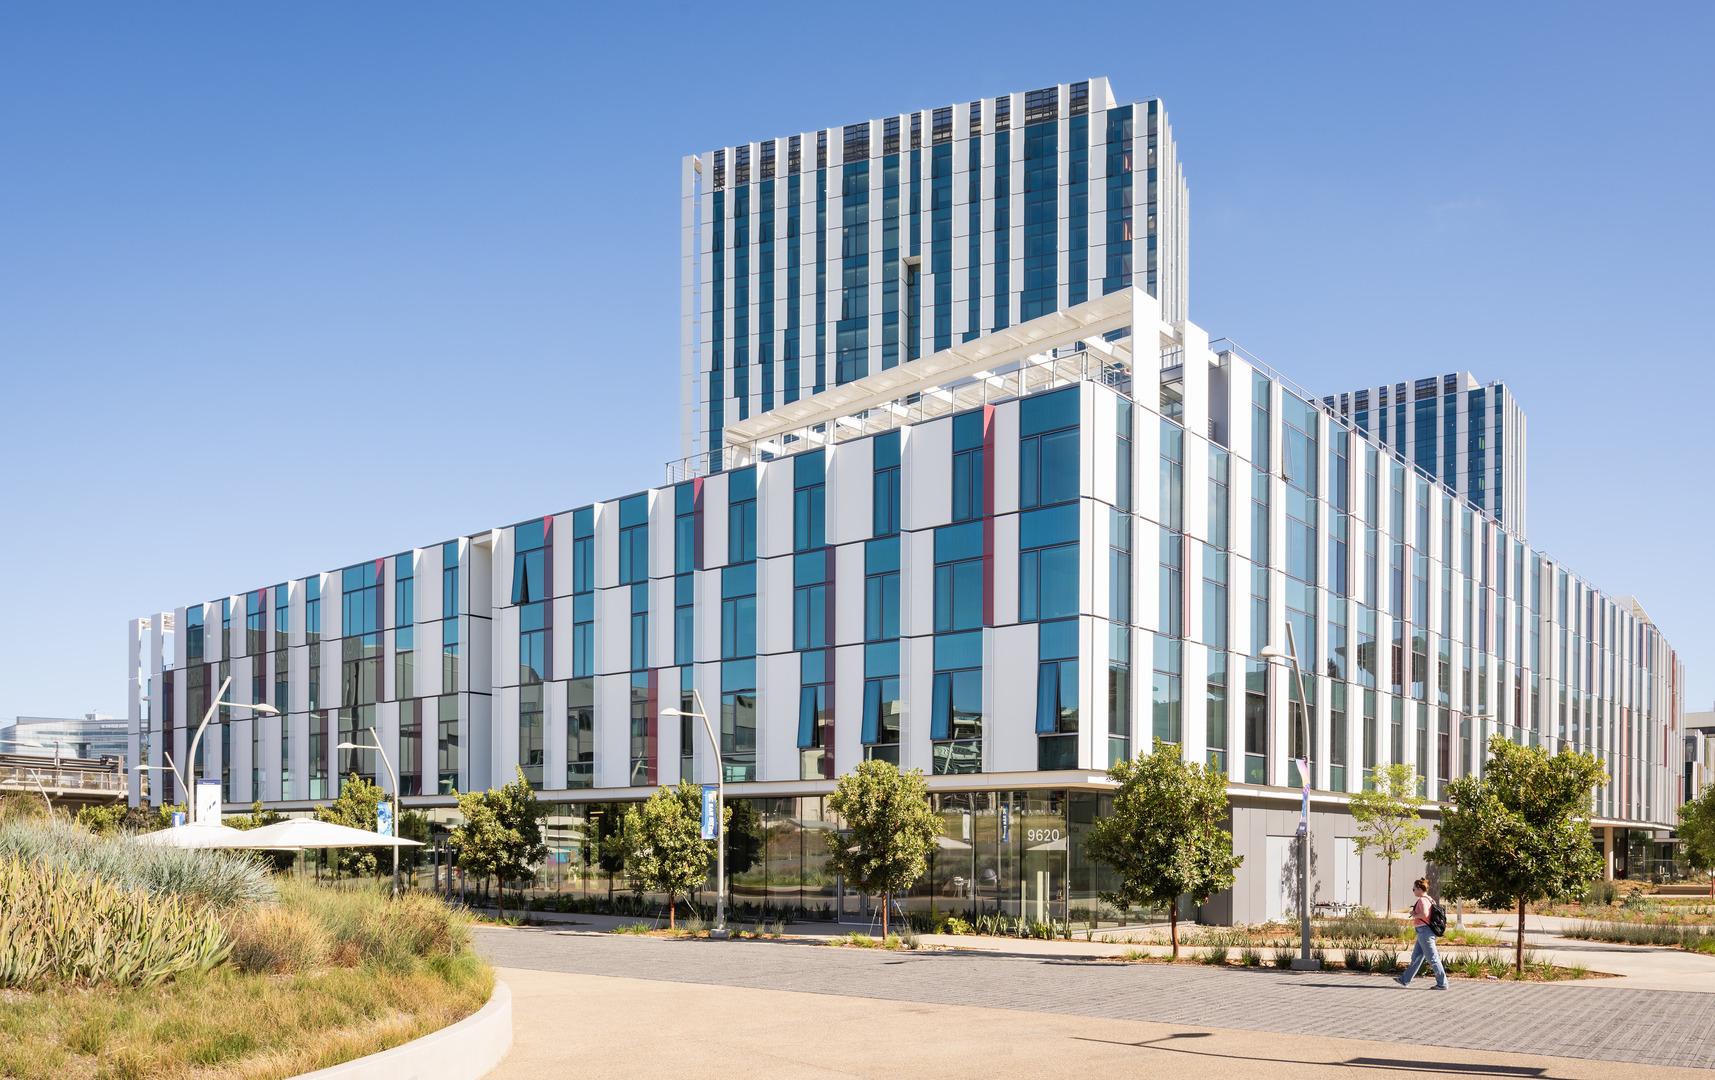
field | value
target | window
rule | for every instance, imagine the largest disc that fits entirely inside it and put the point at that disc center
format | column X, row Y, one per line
column 1119, row 632
column 1048, row 563
column 815, row 717
column 738, row 611
column 969, row 501
column 450, row 616
column 1215, row 711
column 684, row 619
column 410, row 747
column 583, row 635
column 1057, row 695
column 639, row 626
column 530, row 562
column 885, row 502
column 959, row 584
column 811, row 623
column 530, row 733
column 741, row 516
column 533, row 643
column 956, row 704
column 1338, row 754
column 1256, row 722
column 447, row 743
column 882, row 707
column 1169, row 724
column 580, row 733
column 404, row 619
column 642, row 730
column 809, row 490
column 319, row 754
column 634, row 539
column 1048, row 449
column 738, row 720
column 881, row 590
column 687, row 508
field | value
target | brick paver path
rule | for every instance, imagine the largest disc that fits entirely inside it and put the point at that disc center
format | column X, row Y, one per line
column 1656, row 1027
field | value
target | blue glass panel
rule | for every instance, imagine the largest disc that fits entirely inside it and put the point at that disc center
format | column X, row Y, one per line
column 958, row 651
column 1058, row 640
column 954, row 542
column 1041, row 528
column 1048, row 412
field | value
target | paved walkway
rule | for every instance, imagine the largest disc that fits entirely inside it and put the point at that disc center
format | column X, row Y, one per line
column 594, row 1026
column 1650, row 1027
column 1643, row 967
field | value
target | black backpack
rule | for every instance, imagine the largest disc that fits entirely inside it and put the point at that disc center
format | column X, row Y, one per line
column 1437, row 919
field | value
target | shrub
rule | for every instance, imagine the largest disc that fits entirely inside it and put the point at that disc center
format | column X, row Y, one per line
column 1250, row 957
column 1355, row 960
column 1694, row 938
column 1216, row 956
column 212, row 877
column 57, row 925
column 634, row 928
column 1384, row 962
column 1601, row 893
column 1284, row 957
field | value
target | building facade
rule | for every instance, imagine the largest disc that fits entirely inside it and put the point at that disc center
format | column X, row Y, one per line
column 89, row 736
column 1009, row 562
column 818, row 258
column 1468, row 435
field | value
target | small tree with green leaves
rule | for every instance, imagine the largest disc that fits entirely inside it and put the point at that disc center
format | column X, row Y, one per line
column 889, row 829
column 1520, row 832
column 103, row 819
column 1167, row 835
column 1697, row 834
column 666, row 851
column 355, row 808
column 1388, row 815
column 501, row 834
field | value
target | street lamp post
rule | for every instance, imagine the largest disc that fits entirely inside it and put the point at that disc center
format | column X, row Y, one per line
column 1290, row 654
column 144, row 767
column 720, row 810
column 393, row 778
column 191, row 764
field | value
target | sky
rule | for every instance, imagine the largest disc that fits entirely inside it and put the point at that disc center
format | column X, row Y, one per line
column 288, row 286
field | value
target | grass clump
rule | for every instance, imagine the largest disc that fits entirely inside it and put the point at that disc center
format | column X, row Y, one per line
column 1355, row 960
column 1216, row 956
column 1251, row 958
column 1283, row 958
column 216, row 878
column 634, row 928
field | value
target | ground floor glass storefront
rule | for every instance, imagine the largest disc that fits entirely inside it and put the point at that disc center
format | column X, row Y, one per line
column 1017, row 854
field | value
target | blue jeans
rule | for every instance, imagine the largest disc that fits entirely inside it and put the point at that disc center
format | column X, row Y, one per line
column 1422, row 951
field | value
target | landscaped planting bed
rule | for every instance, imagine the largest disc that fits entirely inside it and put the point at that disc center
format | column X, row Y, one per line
column 122, row 960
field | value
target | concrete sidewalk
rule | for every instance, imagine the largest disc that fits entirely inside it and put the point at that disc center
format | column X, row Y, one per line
column 614, row 1027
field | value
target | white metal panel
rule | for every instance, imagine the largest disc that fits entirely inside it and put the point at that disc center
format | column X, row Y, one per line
column 926, row 474
column 1009, row 698
column 612, row 731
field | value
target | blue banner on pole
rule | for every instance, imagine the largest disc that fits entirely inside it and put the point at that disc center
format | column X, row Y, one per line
column 711, row 814
column 384, row 818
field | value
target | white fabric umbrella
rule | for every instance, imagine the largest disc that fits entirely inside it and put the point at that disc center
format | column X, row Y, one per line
column 197, row 836
column 311, row 833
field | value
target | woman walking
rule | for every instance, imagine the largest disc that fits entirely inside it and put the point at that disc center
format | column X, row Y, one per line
column 1425, row 947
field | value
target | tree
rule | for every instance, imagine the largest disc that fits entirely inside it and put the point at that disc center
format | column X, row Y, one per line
column 1387, row 817
column 1167, row 835
column 355, row 808
column 501, row 834
column 1520, row 832
column 890, row 828
column 665, row 846
column 1697, row 833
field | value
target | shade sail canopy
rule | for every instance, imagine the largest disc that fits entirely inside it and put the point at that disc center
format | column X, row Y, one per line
column 198, row 836
column 311, row 833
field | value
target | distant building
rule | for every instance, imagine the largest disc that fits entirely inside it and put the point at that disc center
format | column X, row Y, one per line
column 1467, row 435
column 90, row 736
column 1699, row 752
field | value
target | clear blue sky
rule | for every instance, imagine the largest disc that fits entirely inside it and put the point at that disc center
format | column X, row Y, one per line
column 287, row 286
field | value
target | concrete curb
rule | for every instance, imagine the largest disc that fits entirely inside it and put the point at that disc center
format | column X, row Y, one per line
column 466, row 1050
